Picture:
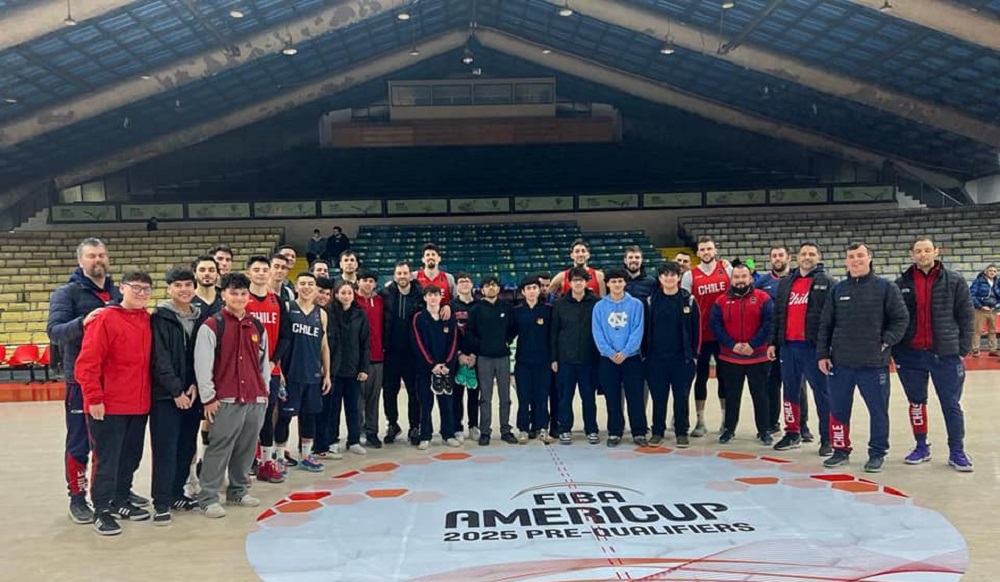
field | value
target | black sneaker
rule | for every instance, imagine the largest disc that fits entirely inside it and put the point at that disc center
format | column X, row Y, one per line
column 683, row 441
column 290, row 461
column 137, row 500
column 80, row 511
column 161, row 516
column 825, row 450
column 656, row 440
column 874, row 464
column 413, row 435
column 184, row 504
column 774, row 429
column 484, row 440
column 130, row 512
column 614, row 441
column 807, row 435
column 641, row 441
column 253, row 468
column 766, row 439
column 373, row 441
column 509, row 438
column 789, row 441
column 532, row 434
column 840, row 457
column 392, row 432
column 105, row 524
column 726, row 436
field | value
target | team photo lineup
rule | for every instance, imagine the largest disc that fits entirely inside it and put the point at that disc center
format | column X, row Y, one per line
column 238, row 348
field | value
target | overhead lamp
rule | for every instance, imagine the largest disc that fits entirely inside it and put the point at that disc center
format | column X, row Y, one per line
column 236, row 13
column 467, row 57
column 414, row 52
column 566, row 10
column 728, row 4
column 289, row 50
column 145, row 77
column 10, row 100
column 886, row 6
column 404, row 16
column 546, row 51
column 69, row 20
column 667, row 48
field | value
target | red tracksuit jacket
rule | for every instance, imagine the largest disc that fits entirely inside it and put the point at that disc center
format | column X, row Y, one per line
column 113, row 366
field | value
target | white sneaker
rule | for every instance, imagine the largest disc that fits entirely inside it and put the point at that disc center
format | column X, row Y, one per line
column 214, row 511
column 522, row 438
column 245, row 501
column 543, row 435
column 358, row 450
column 453, row 442
column 336, row 449
column 474, row 433
column 460, row 437
column 364, row 440
column 424, row 445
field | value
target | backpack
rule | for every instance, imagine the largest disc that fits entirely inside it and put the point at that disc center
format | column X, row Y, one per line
column 220, row 327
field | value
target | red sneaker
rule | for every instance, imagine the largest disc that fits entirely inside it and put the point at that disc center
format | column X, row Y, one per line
column 269, row 473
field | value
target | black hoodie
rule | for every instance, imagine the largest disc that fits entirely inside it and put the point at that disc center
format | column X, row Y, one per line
column 348, row 334
column 571, row 338
column 399, row 311
column 173, row 352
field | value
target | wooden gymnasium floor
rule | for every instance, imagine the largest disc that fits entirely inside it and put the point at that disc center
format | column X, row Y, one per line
column 41, row 544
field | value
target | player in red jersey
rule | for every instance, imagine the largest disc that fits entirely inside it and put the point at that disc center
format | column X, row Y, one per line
column 431, row 274
column 706, row 283
column 579, row 251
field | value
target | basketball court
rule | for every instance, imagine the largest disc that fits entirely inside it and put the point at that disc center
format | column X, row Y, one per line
column 711, row 512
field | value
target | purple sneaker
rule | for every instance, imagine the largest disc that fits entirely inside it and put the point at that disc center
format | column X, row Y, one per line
column 920, row 454
column 960, row 461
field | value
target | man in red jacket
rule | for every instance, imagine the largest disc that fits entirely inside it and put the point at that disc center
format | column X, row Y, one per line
column 371, row 389
column 741, row 322
column 113, row 372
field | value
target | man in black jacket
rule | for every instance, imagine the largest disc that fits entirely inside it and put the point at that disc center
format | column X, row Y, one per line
column 938, row 336
column 673, row 336
column 401, row 300
column 798, row 306
column 574, row 356
column 489, row 332
column 176, row 410
column 864, row 318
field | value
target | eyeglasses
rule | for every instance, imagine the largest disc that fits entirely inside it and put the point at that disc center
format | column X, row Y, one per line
column 139, row 289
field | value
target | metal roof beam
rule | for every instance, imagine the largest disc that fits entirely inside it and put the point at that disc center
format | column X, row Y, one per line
column 953, row 19
column 755, row 58
column 665, row 95
column 367, row 71
column 189, row 69
column 36, row 19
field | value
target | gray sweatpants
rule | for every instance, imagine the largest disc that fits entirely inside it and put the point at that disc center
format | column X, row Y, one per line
column 486, row 370
column 232, row 443
column 371, row 392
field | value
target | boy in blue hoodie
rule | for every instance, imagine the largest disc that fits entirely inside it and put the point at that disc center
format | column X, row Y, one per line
column 617, row 324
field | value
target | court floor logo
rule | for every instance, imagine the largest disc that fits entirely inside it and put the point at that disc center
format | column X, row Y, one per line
column 563, row 514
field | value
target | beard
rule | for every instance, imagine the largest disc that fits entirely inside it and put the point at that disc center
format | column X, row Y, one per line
column 431, row 265
column 633, row 269
column 741, row 290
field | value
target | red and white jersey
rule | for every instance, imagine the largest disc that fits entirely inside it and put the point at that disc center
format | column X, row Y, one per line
column 798, row 304
column 267, row 310
column 443, row 280
column 706, row 288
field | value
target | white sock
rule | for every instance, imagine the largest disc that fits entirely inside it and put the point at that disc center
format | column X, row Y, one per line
column 701, row 416
column 266, row 454
column 279, row 451
column 305, row 449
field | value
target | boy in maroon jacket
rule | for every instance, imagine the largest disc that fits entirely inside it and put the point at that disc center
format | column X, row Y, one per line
column 741, row 322
column 371, row 389
column 113, row 372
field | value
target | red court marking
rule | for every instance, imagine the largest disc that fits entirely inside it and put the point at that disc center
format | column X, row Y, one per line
column 309, row 495
column 833, row 477
column 758, row 480
column 732, row 456
column 347, row 475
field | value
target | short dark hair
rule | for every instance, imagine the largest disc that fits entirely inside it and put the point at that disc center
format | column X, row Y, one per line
column 179, row 274
column 779, row 248
column 403, row 264
column 347, row 253
column 317, row 261
column 334, row 228
column 669, row 267
column 316, row 230
column 706, row 239
column 530, row 280
column 462, row 275
column 307, row 274
column 741, row 265
column 234, row 281
column 489, row 279
column 202, row 259
column 633, row 249
column 579, row 243
column 221, row 248
column 258, row 259
column 289, row 247
column 432, row 289
column 544, row 275
column 812, row 244
column 854, row 246
column 922, row 238
column 615, row 274
column 367, row 274
column 430, row 247
column 279, row 257
column 578, row 273
column 137, row 277
column 323, row 282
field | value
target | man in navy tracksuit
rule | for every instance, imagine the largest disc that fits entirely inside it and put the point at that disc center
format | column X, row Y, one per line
column 672, row 338
column 532, row 365
column 72, row 306
column 864, row 318
column 799, row 301
column 435, row 345
column 574, row 356
column 938, row 336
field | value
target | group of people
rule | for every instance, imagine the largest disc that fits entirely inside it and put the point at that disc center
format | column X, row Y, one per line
column 241, row 353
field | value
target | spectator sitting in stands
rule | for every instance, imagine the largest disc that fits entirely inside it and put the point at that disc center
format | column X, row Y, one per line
column 316, row 246
column 336, row 244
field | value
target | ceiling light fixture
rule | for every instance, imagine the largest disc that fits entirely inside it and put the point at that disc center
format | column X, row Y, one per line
column 728, row 4
column 467, row 57
column 886, row 6
column 566, row 10
column 667, row 48
column 546, row 51
column 69, row 21
column 289, row 50
column 404, row 16
column 145, row 77
column 414, row 52
column 10, row 101
column 236, row 13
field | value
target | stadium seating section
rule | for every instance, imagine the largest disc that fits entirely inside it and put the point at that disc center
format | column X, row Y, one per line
column 36, row 263
column 509, row 250
column 969, row 237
